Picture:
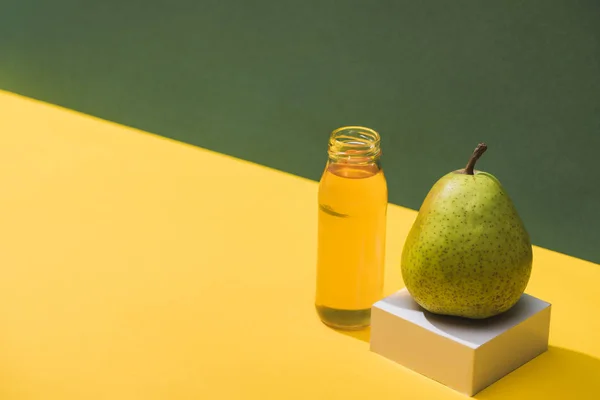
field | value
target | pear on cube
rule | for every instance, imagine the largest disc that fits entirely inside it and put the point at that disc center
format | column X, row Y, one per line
column 468, row 253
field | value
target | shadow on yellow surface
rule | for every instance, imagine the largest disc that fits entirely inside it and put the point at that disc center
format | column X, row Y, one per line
column 557, row 374
column 363, row 334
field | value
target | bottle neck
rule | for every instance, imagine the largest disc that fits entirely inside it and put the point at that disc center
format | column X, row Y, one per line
column 355, row 145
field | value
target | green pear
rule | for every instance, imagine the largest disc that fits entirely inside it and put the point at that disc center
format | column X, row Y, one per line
column 468, row 253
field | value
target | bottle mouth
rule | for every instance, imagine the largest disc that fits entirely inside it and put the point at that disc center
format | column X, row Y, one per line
column 354, row 144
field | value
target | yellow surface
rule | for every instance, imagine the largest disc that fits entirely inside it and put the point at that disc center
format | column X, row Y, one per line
column 135, row 267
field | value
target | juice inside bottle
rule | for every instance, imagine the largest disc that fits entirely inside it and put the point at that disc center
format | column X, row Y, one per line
column 351, row 234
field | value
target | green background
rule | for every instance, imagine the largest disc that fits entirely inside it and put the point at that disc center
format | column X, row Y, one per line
column 268, row 80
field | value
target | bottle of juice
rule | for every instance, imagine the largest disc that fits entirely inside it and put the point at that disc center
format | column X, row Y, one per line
column 352, row 211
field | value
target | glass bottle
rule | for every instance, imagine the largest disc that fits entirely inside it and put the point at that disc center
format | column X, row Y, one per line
column 353, row 200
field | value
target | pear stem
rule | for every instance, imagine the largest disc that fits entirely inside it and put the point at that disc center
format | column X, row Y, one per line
column 479, row 150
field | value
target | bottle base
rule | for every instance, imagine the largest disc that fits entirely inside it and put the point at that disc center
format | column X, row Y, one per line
column 348, row 320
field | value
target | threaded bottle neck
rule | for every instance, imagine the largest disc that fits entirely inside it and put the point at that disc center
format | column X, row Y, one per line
column 354, row 145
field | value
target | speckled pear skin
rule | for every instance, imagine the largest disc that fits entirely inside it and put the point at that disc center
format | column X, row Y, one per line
column 468, row 253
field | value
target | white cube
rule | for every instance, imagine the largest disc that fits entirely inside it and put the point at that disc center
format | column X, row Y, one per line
column 464, row 354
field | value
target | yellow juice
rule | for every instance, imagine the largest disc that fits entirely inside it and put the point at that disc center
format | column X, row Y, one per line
column 351, row 243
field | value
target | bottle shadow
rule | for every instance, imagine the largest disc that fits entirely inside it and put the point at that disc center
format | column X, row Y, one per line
column 558, row 373
column 362, row 334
